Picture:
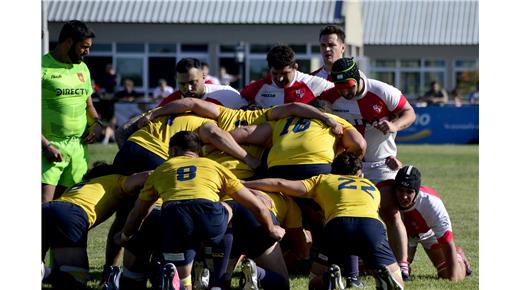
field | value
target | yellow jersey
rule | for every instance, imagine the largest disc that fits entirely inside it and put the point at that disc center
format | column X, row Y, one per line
column 183, row 178
column 98, row 197
column 344, row 196
column 299, row 141
column 155, row 136
column 286, row 210
column 230, row 119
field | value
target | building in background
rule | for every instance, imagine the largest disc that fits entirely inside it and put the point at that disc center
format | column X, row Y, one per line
column 404, row 43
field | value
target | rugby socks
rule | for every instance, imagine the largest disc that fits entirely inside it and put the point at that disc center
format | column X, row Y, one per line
column 352, row 266
column 221, row 256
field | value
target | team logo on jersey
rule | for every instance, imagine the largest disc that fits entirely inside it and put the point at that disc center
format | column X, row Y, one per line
column 299, row 93
column 268, row 95
column 80, row 77
column 377, row 108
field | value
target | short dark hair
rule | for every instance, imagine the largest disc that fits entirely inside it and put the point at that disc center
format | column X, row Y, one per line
column 185, row 64
column 322, row 105
column 186, row 141
column 99, row 168
column 76, row 30
column 346, row 164
column 204, row 64
column 333, row 29
column 281, row 56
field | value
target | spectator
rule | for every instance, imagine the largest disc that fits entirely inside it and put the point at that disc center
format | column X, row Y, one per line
column 108, row 81
column 473, row 96
column 225, row 78
column 458, row 101
column 209, row 79
column 127, row 94
column 163, row 90
column 436, row 95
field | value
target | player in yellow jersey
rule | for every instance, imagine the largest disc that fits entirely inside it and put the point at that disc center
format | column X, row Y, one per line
column 352, row 225
column 191, row 187
column 67, row 220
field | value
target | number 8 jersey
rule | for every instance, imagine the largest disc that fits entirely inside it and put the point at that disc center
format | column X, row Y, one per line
column 344, row 196
column 183, row 178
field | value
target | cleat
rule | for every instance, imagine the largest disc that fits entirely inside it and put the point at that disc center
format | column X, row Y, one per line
column 335, row 280
column 385, row 281
column 355, row 282
column 112, row 280
column 170, row 278
column 201, row 275
column 250, row 275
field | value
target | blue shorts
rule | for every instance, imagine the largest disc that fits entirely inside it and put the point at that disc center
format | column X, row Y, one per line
column 298, row 172
column 249, row 236
column 189, row 224
column 363, row 237
column 148, row 239
column 133, row 158
column 64, row 225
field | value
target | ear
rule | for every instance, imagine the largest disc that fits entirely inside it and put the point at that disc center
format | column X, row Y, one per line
column 296, row 66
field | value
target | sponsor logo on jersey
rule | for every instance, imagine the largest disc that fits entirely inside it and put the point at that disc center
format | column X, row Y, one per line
column 55, row 76
column 377, row 108
column 299, row 93
column 268, row 95
column 80, row 77
column 71, row 92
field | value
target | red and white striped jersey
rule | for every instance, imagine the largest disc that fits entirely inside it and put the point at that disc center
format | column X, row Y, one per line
column 378, row 101
column 428, row 213
column 225, row 96
column 303, row 89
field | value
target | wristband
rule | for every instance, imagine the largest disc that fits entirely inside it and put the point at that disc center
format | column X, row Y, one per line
column 124, row 237
column 46, row 146
column 98, row 121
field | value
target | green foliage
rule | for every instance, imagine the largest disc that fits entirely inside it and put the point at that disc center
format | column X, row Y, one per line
column 452, row 170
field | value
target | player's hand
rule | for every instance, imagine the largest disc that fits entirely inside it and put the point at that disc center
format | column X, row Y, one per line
column 144, row 120
column 385, row 126
column 252, row 162
column 277, row 233
column 52, row 154
column 92, row 133
column 393, row 163
column 335, row 127
column 120, row 239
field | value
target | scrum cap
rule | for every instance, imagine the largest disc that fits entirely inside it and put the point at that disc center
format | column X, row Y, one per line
column 409, row 177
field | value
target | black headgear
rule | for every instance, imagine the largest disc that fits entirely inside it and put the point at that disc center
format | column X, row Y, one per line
column 409, row 177
column 345, row 69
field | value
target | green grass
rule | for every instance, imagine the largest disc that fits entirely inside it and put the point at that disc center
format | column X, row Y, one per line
column 450, row 169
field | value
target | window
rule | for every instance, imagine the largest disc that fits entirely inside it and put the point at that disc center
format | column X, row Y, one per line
column 466, row 75
column 194, row 47
column 132, row 68
column 130, row 47
column 97, row 65
column 411, row 76
column 162, row 48
column 161, row 68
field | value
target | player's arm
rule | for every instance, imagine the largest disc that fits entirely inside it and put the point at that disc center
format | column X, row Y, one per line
column 453, row 270
column 198, row 106
column 93, row 123
column 136, row 181
column 260, row 135
column 353, row 142
column 246, row 198
column 51, row 153
column 404, row 119
column 289, row 187
column 304, row 111
column 211, row 133
column 135, row 218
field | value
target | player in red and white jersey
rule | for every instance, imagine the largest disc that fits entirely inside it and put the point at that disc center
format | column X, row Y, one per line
column 285, row 84
column 378, row 111
column 192, row 84
column 428, row 223
column 332, row 47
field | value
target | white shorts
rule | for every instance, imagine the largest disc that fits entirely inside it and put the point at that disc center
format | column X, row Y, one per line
column 378, row 171
column 427, row 240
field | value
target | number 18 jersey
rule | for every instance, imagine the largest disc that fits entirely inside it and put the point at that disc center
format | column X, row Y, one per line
column 344, row 196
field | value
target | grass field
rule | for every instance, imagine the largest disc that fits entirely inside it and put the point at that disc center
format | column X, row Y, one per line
column 450, row 169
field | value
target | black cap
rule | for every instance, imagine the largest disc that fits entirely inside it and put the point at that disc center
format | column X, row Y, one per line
column 409, row 177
